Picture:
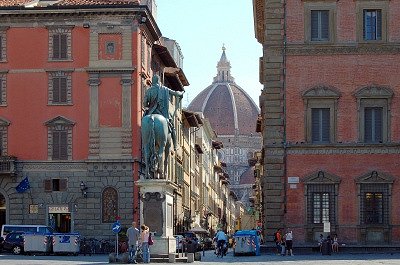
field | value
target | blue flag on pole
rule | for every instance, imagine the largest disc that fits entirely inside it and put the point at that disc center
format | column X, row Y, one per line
column 23, row 185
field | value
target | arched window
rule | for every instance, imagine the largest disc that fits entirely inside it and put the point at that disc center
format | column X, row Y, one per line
column 109, row 205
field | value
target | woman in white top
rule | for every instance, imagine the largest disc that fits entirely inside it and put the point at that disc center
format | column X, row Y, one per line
column 144, row 235
column 289, row 243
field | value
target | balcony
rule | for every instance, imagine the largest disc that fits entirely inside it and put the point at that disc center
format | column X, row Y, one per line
column 7, row 165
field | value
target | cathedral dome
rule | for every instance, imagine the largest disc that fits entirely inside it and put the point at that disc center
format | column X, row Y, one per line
column 230, row 110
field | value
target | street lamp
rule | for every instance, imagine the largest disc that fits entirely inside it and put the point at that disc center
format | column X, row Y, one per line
column 83, row 189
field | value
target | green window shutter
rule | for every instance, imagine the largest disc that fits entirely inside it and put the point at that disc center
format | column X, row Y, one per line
column 1, row 88
column 324, row 25
column 63, row 89
column 325, row 125
column 373, row 125
column 47, row 185
column 56, row 89
column 63, row 184
column 63, row 145
column 56, row 145
column 56, row 46
column 320, row 123
column 1, row 144
column 314, row 25
column 63, row 46
column 378, row 24
column 320, row 25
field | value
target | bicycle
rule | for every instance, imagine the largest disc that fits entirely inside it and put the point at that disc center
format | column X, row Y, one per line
column 135, row 254
column 220, row 249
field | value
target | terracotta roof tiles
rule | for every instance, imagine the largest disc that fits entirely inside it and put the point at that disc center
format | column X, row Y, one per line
column 12, row 3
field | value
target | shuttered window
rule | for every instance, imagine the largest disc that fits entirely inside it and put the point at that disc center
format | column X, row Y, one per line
column 60, row 145
column 59, row 90
column 1, row 89
column 319, row 25
column 1, row 48
column 1, row 144
column 372, row 24
column 55, row 185
column 60, row 46
column 320, row 118
column 373, row 126
column 47, row 185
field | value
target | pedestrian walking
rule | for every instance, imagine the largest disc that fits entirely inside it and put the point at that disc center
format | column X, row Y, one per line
column 289, row 242
column 278, row 241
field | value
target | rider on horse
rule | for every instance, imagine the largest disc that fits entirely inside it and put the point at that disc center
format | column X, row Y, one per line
column 156, row 100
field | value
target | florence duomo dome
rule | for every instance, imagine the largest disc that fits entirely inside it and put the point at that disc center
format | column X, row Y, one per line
column 232, row 114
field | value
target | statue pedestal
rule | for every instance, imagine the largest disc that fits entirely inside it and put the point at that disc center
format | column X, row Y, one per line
column 156, row 211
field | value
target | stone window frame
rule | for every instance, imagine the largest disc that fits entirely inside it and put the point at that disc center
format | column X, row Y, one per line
column 59, row 123
column 328, row 6
column 109, row 194
column 62, row 29
column 320, row 97
column 362, row 5
column 3, row 88
column 67, row 73
column 4, row 124
column 374, row 96
column 3, row 44
column 375, row 181
column 55, row 184
column 324, row 182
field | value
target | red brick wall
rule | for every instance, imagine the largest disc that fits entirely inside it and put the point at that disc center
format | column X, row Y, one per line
column 347, row 73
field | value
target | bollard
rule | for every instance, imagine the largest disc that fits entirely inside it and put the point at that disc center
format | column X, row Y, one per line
column 197, row 256
column 190, row 257
column 124, row 257
column 171, row 258
column 112, row 258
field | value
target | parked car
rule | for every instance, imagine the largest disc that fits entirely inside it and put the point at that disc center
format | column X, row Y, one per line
column 14, row 242
column 179, row 243
column 207, row 242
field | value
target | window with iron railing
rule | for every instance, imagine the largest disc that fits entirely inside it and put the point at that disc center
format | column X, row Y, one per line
column 321, row 204
column 374, row 204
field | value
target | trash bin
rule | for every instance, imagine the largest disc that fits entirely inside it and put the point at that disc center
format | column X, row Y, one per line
column 246, row 242
column 37, row 243
column 66, row 243
column 326, row 248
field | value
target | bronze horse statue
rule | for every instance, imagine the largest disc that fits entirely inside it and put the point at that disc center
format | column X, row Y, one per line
column 156, row 141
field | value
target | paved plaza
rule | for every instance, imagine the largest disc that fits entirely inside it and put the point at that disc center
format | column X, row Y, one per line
column 210, row 258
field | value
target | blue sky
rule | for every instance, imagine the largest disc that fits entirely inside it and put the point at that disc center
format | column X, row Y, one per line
column 201, row 28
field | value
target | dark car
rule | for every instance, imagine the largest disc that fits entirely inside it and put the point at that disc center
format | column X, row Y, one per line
column 14, row 242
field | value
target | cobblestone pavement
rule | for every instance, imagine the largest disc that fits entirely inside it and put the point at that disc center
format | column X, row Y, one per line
column 210, row 258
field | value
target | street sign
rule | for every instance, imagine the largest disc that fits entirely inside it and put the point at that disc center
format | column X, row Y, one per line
column 116, row 227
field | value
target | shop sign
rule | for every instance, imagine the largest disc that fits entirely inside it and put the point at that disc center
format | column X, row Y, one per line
column 58, row 209
column 33, row 208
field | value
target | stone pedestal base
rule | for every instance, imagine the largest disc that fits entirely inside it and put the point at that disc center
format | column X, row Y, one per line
column 163, row 245
column 156, row 211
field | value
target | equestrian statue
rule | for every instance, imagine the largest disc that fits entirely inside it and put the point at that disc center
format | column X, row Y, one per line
column 158, row 128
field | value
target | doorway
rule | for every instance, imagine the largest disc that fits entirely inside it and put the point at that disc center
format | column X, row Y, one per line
column 60, row 222
column 3, row 210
